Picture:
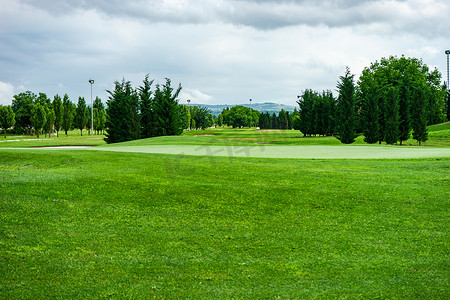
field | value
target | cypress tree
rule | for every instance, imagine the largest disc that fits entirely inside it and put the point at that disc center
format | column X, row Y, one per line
column 346, row 110
column 167, row 109
column 391, row 115
column 368, row 93
column 419, row 116
column 122, row 119
column 307, row 116
column 146, row 105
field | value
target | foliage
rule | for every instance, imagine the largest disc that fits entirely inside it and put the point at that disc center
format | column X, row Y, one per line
column 7, row 118
column 99, row 115
column 346, row 109
column 38, row 117
column 69, row 110
column 202, row 116
column 81, row 115
column 122, row 121
column 240, row 116
column 396, row 89
column 50, row 120
column 22, row 105
column 148, row 118
column 58, row 108
column 167, row 110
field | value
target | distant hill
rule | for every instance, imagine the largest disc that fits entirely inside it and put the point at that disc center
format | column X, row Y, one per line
column 262, row 107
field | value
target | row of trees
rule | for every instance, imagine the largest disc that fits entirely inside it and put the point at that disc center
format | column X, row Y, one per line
column 392, row 99
column 282, row 120
column 135, row 113
column 30, row 112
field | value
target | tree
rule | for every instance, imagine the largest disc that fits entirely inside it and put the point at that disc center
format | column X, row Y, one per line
column 220, row 120
column 376, row 92
column 202, row 116
column 264, row 121
column 7, row 118
column 43, row 100
column 391, row 115
column 38, row 117
column 122, row 119
column 59, row 113
column 81, row 115
column 99, row 115
column 167, row 110
column 68, row 114
column 50, row 120
column 307, row 117
column 369, row 96
column 22, row 105
column 148, row 120
column 283, row 119
column 419, row 116
column 346, row 109
column 240, row 116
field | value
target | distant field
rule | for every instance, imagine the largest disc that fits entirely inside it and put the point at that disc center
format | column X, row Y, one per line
column 439, row 136
column 102, row 224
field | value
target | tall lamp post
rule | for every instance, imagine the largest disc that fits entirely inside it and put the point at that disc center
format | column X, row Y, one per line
column 250, row 110
column 189, row 109
column 91, row 81
column 448, row 82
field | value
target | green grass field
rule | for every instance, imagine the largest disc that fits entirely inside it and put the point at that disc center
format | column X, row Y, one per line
column 102, row 224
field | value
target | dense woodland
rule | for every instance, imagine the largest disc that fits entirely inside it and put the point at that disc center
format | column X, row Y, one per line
column 392, row 100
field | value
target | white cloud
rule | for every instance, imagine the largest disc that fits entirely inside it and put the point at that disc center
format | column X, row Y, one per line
column 6, row 93
column 196, row 96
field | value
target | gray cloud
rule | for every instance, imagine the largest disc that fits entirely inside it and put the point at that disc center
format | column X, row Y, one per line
column 221, row 51
column 266, row 15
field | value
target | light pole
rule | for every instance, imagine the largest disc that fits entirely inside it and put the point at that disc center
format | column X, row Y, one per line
column 91, row 81
column 448, row 82
column 189, row 109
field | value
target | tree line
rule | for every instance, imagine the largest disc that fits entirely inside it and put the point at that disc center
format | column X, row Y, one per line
column 393, row 100
column 38, row 114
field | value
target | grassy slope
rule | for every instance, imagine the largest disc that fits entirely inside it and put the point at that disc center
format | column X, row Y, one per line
column 78, row 224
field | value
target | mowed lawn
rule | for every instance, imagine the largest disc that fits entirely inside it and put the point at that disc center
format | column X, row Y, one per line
column 94, row 224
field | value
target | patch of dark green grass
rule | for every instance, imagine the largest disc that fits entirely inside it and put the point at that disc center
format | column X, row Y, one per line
column 85, row 224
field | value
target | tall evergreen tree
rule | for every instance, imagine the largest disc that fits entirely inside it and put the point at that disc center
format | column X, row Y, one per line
column 419, row 116
column 167, row 109
column 122, row 120
column 307, row 116
column 148, row 120
column 346, row 109
column 369, row 96
column 391, row 115
column 81, row 115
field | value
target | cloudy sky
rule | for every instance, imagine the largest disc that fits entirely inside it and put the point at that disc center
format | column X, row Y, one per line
column 221, row 51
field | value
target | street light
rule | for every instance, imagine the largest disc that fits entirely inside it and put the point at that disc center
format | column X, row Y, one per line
column 189, row 109
column 91, row 81
column 448, row 82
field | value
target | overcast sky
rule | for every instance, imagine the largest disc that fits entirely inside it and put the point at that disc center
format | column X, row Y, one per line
column 221, row 51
